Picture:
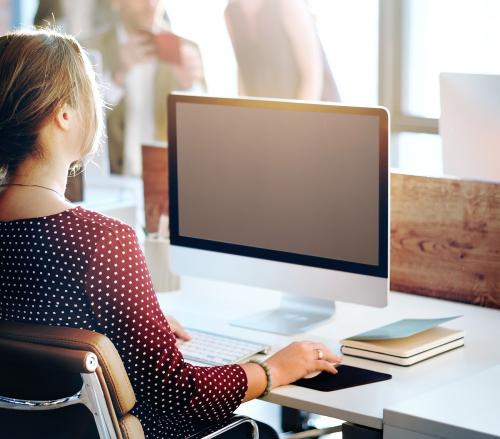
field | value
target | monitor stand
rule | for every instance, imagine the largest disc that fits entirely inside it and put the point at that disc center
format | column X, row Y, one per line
column 294, row 315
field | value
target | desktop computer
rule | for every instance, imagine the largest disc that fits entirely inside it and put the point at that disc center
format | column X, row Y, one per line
column 470, row 125
column 285, row 195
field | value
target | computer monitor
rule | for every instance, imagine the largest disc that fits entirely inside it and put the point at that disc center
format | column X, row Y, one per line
column 284, row 195
column 470, row 125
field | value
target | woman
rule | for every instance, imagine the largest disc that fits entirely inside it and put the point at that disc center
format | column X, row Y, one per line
column 67, row 266
column 278, row 50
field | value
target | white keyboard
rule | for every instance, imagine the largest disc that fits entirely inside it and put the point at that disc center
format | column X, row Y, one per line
column 206, row 348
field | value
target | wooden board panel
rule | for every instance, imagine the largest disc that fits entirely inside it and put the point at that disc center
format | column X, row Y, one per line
column 155, row 176
column 445, row 238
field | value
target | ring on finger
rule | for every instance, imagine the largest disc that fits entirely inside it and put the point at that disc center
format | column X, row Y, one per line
column 320, row 354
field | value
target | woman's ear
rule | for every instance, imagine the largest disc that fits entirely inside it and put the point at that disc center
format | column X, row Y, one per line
column 65, row 116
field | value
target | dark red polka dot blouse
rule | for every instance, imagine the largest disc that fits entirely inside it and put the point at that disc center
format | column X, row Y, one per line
column 81, row 269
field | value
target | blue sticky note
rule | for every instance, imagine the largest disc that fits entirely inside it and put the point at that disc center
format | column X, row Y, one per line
column 401, row 328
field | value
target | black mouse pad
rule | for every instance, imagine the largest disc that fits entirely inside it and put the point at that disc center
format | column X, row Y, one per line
column 348, row 376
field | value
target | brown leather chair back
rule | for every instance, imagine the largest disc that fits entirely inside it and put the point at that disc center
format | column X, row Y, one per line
column 40, row 362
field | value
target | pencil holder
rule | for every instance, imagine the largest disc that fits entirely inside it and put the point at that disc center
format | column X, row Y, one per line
column 156, row 250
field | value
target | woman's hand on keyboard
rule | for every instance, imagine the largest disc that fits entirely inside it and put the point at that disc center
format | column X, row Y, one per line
column 178, row 329
column 299, row 359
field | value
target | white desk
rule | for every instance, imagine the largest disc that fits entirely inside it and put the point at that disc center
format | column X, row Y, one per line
column 210, row 305
column 472, row 410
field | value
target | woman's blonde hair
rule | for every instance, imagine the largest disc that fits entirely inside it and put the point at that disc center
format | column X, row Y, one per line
column 40, row 70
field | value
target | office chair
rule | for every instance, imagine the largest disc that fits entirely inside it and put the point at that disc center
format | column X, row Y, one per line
column 66, row 382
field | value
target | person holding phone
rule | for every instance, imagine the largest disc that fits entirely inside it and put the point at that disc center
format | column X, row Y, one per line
column 142, row 63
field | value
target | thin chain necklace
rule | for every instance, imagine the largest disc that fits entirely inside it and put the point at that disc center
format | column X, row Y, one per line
column 33, row 185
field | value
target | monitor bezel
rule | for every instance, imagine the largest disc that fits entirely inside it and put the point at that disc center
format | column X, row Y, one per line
column 380, row 270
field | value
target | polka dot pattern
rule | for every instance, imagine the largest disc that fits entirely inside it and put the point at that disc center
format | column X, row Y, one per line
column 81, row 269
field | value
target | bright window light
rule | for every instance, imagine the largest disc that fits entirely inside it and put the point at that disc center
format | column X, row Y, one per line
column 447, row 36
column 348, row 31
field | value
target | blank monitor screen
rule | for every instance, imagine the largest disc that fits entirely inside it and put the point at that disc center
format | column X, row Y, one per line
column 301, row 183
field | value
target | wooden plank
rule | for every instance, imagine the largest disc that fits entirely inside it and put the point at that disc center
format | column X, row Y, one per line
column 445, row 238
column 155, row 176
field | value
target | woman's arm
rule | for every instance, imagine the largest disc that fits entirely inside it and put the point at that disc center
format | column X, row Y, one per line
column 300, row 28
column 256, row 379
column 288, row 365
column 126, row 310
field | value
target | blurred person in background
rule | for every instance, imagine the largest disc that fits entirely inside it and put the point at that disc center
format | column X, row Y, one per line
column 278, row 50
column 81, row 19
column 142, row 63
column 5, row 16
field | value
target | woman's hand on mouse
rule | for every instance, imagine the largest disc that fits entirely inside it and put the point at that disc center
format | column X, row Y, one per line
column 299, row 359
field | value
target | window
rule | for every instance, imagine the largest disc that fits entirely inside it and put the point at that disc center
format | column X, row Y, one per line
column 447, row 36
column 22, row 13
column 420, row 39
column 349, row 33
column 203, row 22
column 387, row 52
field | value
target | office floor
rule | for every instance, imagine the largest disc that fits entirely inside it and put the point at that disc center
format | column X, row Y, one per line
column 270, row 414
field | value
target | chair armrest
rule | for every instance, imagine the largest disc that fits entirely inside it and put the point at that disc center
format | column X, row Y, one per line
column 70, row 360
column 229, row 424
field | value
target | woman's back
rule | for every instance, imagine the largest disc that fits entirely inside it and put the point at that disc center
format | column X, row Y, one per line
column 81, row 269
column 43, row 268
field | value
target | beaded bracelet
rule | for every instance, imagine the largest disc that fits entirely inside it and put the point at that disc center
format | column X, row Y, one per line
column 269, row 377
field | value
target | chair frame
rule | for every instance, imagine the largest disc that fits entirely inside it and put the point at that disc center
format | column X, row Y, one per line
column 91, row 394
column 235, row 421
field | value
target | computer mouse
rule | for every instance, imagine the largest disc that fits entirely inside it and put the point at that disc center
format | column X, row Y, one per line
column 315, row 374
column 312, row 375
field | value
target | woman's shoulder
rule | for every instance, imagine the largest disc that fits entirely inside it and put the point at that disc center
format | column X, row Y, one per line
column 98, row 222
